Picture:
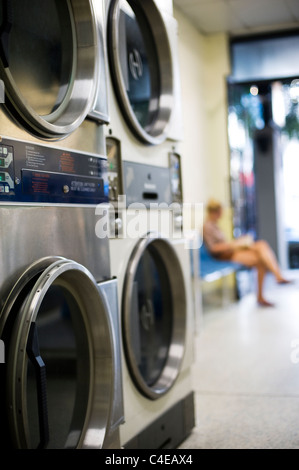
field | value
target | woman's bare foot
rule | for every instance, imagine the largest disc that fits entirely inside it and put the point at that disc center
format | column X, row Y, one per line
column 264, row 303
column 284, row 281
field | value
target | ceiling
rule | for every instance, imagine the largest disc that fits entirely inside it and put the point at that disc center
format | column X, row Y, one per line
column 240, row 17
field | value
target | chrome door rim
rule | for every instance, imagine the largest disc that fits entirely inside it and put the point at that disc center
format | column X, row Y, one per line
column 158, row 131
column 79, row 281
column 176, row 351
column 78, row 100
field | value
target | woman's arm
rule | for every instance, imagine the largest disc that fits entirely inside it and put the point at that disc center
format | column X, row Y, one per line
column 221, row 248
column 215, row 241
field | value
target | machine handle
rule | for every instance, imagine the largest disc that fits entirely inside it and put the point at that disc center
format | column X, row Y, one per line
column 5, row 30
column 41, row 384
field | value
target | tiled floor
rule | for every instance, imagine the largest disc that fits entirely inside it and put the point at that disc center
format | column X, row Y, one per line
column 246, row 374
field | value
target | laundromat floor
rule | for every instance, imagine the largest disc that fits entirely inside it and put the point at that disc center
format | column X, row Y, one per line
column 246, row 373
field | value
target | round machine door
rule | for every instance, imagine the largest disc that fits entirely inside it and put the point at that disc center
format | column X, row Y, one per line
column 154, row 316
column 59, row 366
column 141, row 67
column 49, row 63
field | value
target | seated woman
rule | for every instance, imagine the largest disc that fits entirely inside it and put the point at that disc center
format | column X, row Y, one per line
column 243, row 250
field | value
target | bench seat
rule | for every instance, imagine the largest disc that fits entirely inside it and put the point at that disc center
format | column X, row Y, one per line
column 211, row 269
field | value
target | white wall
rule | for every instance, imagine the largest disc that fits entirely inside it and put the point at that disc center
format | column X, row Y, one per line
column 204, row 66
column 216, row 69
column 194, row 146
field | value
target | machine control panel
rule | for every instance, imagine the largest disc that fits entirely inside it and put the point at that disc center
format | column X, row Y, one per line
column 33, row 173
column 114, row 169
column 6, row 177
column 146, row 184
column 176, row 177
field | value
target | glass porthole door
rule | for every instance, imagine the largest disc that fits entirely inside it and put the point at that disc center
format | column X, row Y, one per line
column 154, row 316
column 59, row 370
column 48, row 63
column 141, row 66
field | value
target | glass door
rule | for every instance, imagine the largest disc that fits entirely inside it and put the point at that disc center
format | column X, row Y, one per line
column 141, row 67
column 252, row 107
column 48, row 62
column 154, row 316
column 58, row 381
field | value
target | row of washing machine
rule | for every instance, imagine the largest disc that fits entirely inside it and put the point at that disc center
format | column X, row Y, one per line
column 96, row 322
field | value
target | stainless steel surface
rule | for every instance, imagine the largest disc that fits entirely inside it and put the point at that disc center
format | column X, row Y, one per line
column 99, row 360
column 156, row 132
column 73, row 99
column 109, row 292
column 87, row 95
column 176, row 350
column 140, row 410
column 146, row 184
column 99, row 109
column 30, row 233
column 89, row 137
column 34, row 243
column 20, row 283
column 34, row 237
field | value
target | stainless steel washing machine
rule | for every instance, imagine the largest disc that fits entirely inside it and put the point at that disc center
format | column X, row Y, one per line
column 144, row 79
column 53, row 65
column 60, row 385
column 54, row 71
column 156, row 304
column 59, row 321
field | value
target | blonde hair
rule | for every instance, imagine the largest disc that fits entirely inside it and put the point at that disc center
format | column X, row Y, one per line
column 213, row 205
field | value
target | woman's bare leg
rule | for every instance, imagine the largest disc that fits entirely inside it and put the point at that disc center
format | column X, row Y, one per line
column 267, row 256
column 251, row 259
column 261, row 271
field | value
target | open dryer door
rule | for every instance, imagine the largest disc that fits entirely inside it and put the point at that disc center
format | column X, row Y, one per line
column 60, row 371
column 154, row 316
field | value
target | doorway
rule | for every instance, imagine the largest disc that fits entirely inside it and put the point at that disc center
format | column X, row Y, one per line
column 263, row 132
